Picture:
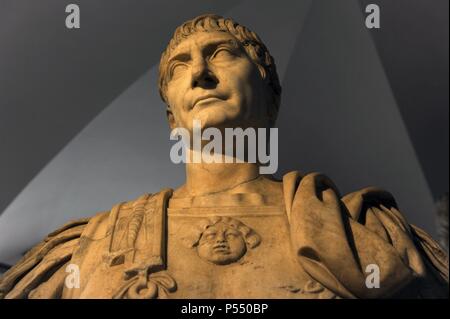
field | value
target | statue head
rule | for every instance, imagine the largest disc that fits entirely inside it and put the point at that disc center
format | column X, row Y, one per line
column 219, row 72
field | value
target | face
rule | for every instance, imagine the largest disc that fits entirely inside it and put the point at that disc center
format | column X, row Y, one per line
column 212, row 79
column 221, row 244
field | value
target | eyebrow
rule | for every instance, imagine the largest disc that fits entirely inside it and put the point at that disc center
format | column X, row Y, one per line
column 185, row 56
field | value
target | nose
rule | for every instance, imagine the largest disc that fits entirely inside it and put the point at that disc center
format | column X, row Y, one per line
column 202, row 76
column 220, row 238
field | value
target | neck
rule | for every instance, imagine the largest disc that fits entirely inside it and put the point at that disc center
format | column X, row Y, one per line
column 206, row 178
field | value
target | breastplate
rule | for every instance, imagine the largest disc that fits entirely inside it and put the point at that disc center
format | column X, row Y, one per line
column 202, row 247
column 234, row 247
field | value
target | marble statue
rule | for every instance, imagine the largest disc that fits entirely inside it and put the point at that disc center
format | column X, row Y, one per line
column 229, row 231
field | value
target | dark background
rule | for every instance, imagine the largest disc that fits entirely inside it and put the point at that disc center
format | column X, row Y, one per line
column 82, row 126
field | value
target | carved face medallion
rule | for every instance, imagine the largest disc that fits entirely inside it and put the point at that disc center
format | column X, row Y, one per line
column 221, row 244
column 222, row 240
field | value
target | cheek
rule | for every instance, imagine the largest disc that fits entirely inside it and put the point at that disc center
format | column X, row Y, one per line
column 237, row 245
column 247, row 86
column 237, row 77
column 175, row 98
column 246, row 78
column 203, row 249
column 172, row 99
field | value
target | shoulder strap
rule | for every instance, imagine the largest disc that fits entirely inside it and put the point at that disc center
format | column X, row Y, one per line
column 138, row 232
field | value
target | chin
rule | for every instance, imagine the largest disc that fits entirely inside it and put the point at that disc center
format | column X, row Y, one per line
column 215, row 116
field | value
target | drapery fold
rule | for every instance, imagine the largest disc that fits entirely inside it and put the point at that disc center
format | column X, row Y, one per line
column 340, row 241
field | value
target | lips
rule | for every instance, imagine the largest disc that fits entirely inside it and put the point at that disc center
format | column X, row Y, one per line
column 205, row 97
column 221, row 248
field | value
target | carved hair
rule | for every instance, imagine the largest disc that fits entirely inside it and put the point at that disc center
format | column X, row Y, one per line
column 251, row 238
column 254, row 47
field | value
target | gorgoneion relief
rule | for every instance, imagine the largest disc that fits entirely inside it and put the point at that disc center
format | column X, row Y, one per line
column 222, row 240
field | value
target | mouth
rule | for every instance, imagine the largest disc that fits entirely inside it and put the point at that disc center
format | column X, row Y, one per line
column 205, row 99
column 221, row 248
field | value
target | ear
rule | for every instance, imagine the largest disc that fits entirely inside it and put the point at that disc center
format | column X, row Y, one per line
column 262, row 71
column 272, row 111
column 170, row 118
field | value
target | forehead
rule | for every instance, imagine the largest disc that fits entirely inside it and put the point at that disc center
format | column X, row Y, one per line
column 219, row 225
column 202, row 39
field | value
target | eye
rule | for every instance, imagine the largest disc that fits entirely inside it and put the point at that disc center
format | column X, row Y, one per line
column 223, row 54
column 232, row 234
column 176, row 69
column 209, row 236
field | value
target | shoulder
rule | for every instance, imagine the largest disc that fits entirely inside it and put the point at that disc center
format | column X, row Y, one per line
column 42, row 261
column 40, row 273
column 314, row 186
column 369, row 220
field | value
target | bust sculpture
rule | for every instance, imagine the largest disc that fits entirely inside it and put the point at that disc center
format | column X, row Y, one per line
column 229, row 231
